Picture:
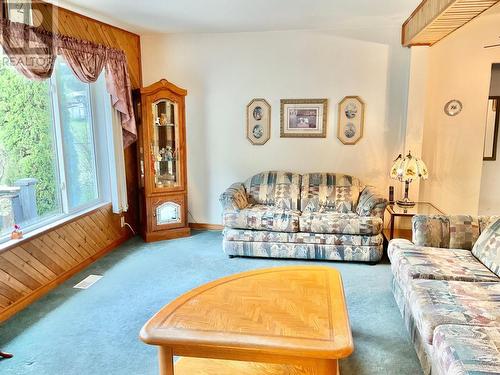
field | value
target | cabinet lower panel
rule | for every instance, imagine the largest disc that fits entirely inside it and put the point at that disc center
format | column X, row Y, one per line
column 166, row 217
column 167, row 234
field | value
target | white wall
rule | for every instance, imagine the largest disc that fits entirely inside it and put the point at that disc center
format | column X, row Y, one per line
column 223, row 72
column 489, row 202
column 459, row 68
column 417, row 98
column 489, row 199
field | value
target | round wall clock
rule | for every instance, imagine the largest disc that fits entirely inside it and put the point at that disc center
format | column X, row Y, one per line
column 453, row 107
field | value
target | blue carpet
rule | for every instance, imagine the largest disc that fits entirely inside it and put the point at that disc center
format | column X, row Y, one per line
column 95, row 331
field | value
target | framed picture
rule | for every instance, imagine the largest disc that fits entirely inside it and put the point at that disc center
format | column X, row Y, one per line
column 258, row 121
column 491, row 135
column 303, row 118
column 351, row 120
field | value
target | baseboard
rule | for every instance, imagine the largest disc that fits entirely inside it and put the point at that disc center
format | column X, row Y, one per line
column 28, row 299
column 204, row 226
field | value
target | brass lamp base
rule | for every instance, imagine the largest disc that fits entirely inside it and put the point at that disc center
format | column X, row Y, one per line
column 405, row 202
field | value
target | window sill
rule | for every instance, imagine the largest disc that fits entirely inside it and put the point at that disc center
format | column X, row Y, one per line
column 9, row 244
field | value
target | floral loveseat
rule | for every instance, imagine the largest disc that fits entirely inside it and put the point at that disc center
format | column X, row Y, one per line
column 311, row 216
column 447, row 286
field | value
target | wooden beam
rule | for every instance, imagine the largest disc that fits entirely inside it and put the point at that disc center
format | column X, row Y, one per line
column 433, row 20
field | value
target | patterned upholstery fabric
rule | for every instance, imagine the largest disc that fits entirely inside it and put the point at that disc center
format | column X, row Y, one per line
column 422, row 348
column 333, row 222
column 432, row 231
column 280, row 189
column 487, row 247
column 463, row 350
column 484, row 221
column 329, row 191
column 415, row 262
column 448, row 295
column 454, row 232
column 436, row 302
column 303, row 251
column 371, row 203
column 260, row 217
column 234, row 198
column 301, row 237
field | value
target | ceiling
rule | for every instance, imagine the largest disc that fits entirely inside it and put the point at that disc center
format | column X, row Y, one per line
column 217, row 16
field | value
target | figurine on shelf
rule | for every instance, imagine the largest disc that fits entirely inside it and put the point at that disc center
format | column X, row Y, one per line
column 17, row 233
column 170, row 157
column 163, row 119
column 161, row 154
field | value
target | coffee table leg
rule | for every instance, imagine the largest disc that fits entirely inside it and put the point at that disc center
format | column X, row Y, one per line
column 327, row 367
column 166, row 360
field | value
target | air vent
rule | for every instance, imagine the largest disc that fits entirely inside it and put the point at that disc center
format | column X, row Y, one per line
column 88, row 282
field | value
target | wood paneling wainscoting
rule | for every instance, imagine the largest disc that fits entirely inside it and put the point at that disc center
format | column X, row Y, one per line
column 34, row 266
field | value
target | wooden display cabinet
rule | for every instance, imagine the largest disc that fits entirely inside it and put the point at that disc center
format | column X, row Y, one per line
column 160, row 112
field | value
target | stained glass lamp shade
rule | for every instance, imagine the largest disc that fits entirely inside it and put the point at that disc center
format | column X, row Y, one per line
column 406, row 169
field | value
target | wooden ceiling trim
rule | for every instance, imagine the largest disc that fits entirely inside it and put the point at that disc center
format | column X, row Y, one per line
column 433, row 20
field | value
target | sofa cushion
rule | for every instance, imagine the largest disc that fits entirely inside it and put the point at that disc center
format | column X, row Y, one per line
column 487, row 247
column 330, row 191
column 260, row 217
column 246, row 235
column 416, row 262
column 371, row 203
column 272, row 188
column 454, row 232
column 436, row 302
column 234, row 197
column 333, row 222
column 460, row 350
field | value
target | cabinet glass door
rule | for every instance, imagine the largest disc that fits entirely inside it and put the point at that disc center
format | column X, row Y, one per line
column 165, row 144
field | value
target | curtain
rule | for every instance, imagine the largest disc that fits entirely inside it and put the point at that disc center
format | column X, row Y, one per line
column 117, row 163
column 85, row 59
column 32, row 51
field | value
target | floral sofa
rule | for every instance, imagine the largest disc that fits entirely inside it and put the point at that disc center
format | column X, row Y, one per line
column 447, row 286
column 312, row 216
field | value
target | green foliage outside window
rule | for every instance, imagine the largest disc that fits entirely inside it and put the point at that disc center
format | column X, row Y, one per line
column 26, row 144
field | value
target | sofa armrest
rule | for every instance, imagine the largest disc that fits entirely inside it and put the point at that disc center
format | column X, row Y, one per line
column 371, row 203
column 234, row 197
column 445, row 231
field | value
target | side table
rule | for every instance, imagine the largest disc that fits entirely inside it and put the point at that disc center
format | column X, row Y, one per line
column 420, row 208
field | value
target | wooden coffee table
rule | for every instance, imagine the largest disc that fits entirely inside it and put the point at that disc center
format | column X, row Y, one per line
column 286, row 320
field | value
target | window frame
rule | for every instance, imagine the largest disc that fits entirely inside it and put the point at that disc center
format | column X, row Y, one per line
column 100, row 143
column 59, row 143
column 25, row 5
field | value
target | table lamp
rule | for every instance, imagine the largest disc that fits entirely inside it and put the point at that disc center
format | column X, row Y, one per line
column 406, row 170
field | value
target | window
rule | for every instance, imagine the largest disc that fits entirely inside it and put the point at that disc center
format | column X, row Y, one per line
column 77, row 138
column 52, row 161
column 18, row 11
